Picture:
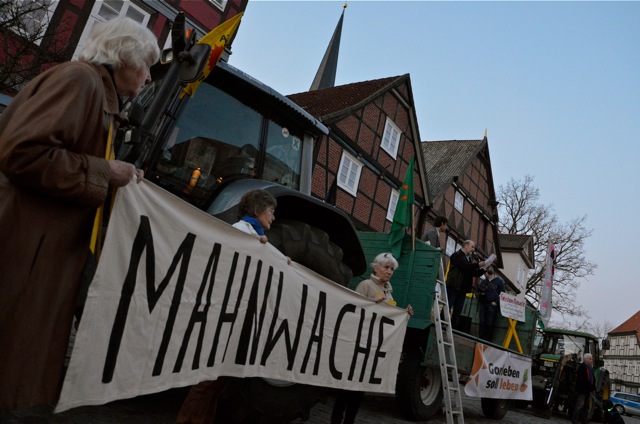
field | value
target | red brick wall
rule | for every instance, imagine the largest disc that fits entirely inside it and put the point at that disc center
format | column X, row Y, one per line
column 473, row 223
column 349, row 126
column 65, row 30
column 364, row 128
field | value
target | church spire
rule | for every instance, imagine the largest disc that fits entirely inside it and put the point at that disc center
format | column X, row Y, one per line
column 326, row 75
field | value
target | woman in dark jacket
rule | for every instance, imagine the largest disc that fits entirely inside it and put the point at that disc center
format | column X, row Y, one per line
column 489, row 291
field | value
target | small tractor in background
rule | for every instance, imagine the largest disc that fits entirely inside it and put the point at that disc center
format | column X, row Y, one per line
column 556, row 356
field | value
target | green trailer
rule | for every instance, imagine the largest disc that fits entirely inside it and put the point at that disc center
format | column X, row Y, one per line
column 419, row 392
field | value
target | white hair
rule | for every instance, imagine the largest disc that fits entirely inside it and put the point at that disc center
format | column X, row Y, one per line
column 384, row 259
column 121, row 41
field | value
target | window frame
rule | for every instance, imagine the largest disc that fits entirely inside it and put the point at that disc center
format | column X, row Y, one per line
column 458, row 201
column 393, row 200
column 95, row 17
column 352, row 162
column 451, row 246
column 390, row 128
column 48, row 8
column 220, row 4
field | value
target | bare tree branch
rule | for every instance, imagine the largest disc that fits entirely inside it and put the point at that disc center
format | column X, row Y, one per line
column 521, row 212
column 25, row 43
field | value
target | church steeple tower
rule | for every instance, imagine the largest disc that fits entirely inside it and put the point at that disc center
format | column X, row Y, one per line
column 326, row 75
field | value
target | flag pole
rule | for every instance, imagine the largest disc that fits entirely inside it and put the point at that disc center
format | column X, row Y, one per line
column 413, row 227
column 399, row 225
column 217, row 39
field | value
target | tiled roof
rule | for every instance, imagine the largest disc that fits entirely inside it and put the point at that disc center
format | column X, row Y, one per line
column 326, row 102
column 521, row 244
column 632, row 325
column 445, row 160
column 513, row 241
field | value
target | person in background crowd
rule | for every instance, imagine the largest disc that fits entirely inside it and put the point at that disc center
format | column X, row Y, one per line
column 433, row 235
column 377, row 288
column 53, row 176
column 489, row 290
column 462, row 270
column 256, row 213
column 585, row 388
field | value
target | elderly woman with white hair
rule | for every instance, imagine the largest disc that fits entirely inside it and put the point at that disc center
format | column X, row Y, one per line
column 378, row 288
column 54, row 174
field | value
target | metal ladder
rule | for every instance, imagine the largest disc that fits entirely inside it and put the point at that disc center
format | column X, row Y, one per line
column 447, row 354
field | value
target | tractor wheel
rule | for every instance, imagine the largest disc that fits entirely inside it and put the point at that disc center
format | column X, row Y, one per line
column 495, row 409
column 310, row 247
column 418, row 388
column 276, row 401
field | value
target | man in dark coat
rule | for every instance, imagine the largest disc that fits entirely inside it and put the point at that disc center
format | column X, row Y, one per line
column 462, row 270
column 585, row 387
column 53, row 176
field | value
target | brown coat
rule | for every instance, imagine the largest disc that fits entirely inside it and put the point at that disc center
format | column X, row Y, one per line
column 53, row 175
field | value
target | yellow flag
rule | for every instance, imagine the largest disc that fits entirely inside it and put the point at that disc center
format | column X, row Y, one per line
column 217, row 38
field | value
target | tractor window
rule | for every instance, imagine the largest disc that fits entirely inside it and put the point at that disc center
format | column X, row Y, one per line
column 541, row 344
column 283, row 156
column 215, row 139
column 571, row 345
column 213, row 114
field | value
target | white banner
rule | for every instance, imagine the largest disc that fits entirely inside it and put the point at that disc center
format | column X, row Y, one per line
column 512, row 307
column 499, row 374
column 180, row 297
column 546, row 293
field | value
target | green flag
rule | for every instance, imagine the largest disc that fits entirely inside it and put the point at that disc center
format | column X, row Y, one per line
column 402, row 216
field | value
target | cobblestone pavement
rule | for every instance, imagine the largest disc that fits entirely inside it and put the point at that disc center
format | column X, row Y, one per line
column 161, row 408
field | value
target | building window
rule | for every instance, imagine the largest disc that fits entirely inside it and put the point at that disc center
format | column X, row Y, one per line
column 393, row 203
column 522, row 275
column 451, row 246
column 106, row 10
column 29, row 18
column 349, row 175
column 220, row 3
column 391, row 138
column 458, row 202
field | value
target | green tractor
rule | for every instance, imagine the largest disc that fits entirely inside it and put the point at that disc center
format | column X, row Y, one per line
column 556, row 356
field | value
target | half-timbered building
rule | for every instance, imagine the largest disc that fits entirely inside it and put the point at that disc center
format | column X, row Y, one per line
column 462, row 190
column 373, row 134
column 37, row 34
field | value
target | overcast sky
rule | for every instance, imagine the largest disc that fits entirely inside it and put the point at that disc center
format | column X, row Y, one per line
column 556, row 85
